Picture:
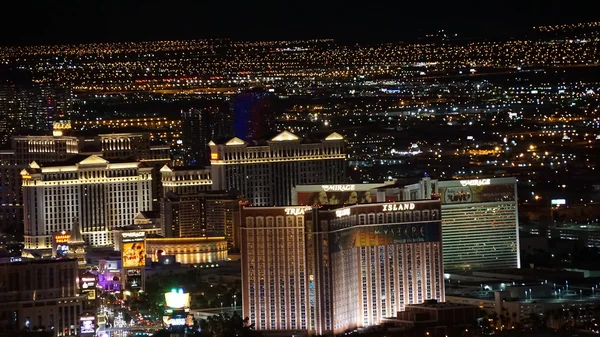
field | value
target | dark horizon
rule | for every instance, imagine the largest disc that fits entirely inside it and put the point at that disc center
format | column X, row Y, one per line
column 70, row 21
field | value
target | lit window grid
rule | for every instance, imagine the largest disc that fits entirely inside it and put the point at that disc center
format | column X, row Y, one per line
column 480, row 236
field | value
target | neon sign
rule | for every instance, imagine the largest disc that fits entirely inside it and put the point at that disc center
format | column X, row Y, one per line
column 475, row 182
column 296, row 210
column 134, row 235
column 342, row 212
column 63, row 238
column 399, row 207
column 339, row 188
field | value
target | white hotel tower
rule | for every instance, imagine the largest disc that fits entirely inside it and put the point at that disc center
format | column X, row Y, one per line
column 100, row 195
column 265, row 172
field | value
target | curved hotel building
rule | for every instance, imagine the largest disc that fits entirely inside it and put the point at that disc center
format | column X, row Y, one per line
column 330, row 269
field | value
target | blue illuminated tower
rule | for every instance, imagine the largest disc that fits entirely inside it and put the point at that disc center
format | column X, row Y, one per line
column 252, row 114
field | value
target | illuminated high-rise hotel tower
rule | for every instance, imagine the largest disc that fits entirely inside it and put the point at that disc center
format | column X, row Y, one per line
column 100, row 195
column 331, row 269
column 265, row 172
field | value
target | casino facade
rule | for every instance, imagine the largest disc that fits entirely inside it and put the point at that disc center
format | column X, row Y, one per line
column 331, row 269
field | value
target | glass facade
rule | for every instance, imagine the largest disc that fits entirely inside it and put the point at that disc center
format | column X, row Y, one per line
column 480, row 236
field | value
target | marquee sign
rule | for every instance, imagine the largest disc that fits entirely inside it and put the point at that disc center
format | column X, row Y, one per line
column 342, row 212
column 475, row 182
column 338, row 188
column 407, row 206
column 296, row 210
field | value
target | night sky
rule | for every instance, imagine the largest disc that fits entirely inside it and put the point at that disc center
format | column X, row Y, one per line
column 75, row 21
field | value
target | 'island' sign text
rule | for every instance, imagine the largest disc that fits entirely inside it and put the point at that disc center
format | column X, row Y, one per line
column 407, row 206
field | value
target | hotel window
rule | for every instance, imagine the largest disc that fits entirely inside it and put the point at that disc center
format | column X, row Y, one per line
column 407, row 217
column 425, row 215
column 435, row 214
column 416, row 216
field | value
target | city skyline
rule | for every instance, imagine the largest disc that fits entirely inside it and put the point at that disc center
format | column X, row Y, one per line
column 275, row 169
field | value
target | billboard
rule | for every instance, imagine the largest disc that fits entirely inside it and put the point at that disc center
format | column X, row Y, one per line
column 134, row 278
column 87, row 285
column 383, row 235
column 176, row 300
column 60, row 243
column 133, row 249
column 133, row 254
column 336, row 197
column 87, row 324
column 467, row 193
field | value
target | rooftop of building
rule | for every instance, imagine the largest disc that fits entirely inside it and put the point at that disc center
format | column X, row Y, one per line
column 582, row 228
column 19, row 261
column 510, row 275
column 439, row 305
column 271, row 137
column 135, row 228
column 153, row 238
column 86, row 159
column 102, row 253
column 335, row 207
column 184, row 168
column 87, row 133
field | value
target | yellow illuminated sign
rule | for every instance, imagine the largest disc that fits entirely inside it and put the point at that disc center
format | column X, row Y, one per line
column 133, row 254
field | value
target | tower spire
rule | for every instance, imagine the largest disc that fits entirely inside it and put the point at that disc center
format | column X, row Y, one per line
column 77, row 245
column 76, row 236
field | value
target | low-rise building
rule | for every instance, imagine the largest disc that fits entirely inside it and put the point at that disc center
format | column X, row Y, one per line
column 40, row 294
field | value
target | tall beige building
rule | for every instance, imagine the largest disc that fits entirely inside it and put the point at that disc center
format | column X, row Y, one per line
column 63, row 146
column 265, row 172
column 332, row 269
column 100, row 195
column 190, row 208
